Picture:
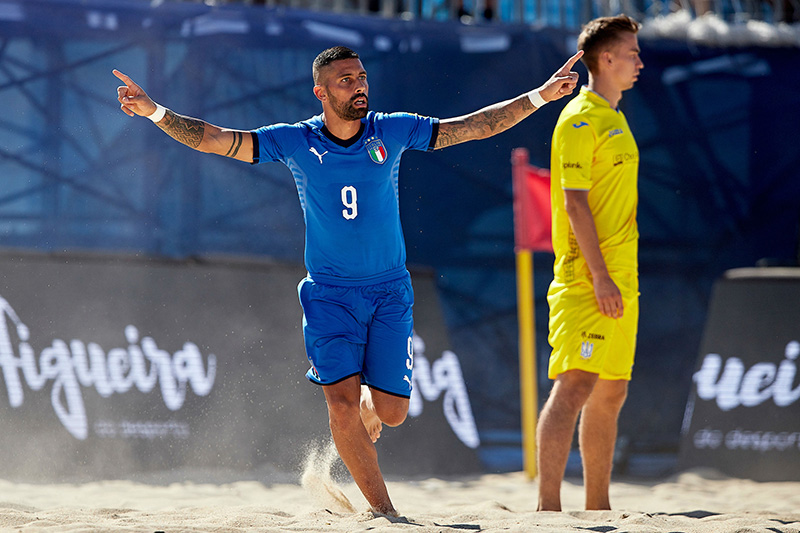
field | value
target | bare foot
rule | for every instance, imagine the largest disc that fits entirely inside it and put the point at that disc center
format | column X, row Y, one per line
column 368, row 415
column 389, row 513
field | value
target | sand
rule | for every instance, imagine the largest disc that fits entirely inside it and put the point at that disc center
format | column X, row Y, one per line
column 694, row 501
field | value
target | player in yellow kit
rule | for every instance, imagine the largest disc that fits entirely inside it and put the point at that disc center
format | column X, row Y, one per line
column 594, row 151
column 594, row 294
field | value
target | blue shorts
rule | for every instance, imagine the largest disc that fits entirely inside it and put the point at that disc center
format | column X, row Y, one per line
column 361, row 331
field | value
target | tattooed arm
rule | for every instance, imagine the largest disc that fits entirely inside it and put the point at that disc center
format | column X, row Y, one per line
column 192, row 132
column 483, row 123
column 205, row 137
column 499, row 117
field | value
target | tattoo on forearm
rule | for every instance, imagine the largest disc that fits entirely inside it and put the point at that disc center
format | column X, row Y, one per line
column 235, row 144
column 188, row 131
column 527, row 106
column 452, row 134
column 484, row 123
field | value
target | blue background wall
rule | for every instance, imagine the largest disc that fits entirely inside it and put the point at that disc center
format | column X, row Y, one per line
column 719, row 183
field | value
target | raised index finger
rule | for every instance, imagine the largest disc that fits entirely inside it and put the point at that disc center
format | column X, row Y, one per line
column 125, row 79
column 571, row 62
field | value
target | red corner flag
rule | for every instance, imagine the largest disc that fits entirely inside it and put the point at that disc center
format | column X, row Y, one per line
column 531, row 186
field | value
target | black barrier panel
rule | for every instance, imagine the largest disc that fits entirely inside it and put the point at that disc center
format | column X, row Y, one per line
column 743, row 415
column 116, row 366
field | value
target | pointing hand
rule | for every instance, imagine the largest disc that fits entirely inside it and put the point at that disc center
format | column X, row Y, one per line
column 563, row 82
column 132, row 98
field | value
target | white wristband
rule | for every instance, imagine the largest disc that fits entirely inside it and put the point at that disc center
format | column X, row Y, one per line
column 158, row 114
column 536, row 98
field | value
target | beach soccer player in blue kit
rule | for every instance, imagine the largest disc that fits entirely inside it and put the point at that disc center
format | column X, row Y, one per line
column 357, row 298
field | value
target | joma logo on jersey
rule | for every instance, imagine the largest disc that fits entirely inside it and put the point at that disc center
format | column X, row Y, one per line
column 586, row 349
column 376, row 150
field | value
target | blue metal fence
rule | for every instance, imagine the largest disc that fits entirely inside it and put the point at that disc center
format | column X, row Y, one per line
column 569, row 14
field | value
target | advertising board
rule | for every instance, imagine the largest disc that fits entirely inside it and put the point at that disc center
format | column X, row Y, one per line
column 117, row 365
column 743, row 413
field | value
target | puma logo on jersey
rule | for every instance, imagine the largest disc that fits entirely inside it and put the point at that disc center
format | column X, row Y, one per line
column 319, row 155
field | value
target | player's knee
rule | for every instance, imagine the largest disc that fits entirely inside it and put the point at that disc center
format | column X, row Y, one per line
column 393, row 418
column 342, row 408
column 573, row 388
column 616, row 396
column 392, row 413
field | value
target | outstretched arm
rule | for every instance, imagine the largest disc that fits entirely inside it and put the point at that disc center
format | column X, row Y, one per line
column 192, row 132
column 501, row 116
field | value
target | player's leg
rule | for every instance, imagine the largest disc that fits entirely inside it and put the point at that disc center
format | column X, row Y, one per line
column 378, row 408
column 572, row 314
column 389, row 357
column 369, row 417
column 555, row 430
column 354, row 444
column 597, row 435
column 335, row 333
column 390, row 409
column 388, row 361
column 598, row 426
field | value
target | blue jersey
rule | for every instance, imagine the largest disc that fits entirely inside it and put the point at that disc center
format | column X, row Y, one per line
column 349, row 194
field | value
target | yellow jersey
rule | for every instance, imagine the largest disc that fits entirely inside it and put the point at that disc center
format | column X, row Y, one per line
column 593, row 149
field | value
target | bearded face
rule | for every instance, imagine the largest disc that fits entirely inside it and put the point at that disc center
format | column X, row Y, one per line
column 343, row 88
column 355, row 108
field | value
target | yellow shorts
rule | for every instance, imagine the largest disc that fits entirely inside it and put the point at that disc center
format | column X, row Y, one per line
column 583, row 338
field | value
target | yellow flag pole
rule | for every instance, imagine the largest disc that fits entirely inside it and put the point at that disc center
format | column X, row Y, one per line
column 527, row 359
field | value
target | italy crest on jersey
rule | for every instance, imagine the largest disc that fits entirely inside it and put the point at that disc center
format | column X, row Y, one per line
column 376, row 150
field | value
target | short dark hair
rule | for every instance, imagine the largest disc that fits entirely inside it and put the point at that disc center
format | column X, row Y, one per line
column 602, row 33
column 326, row 57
